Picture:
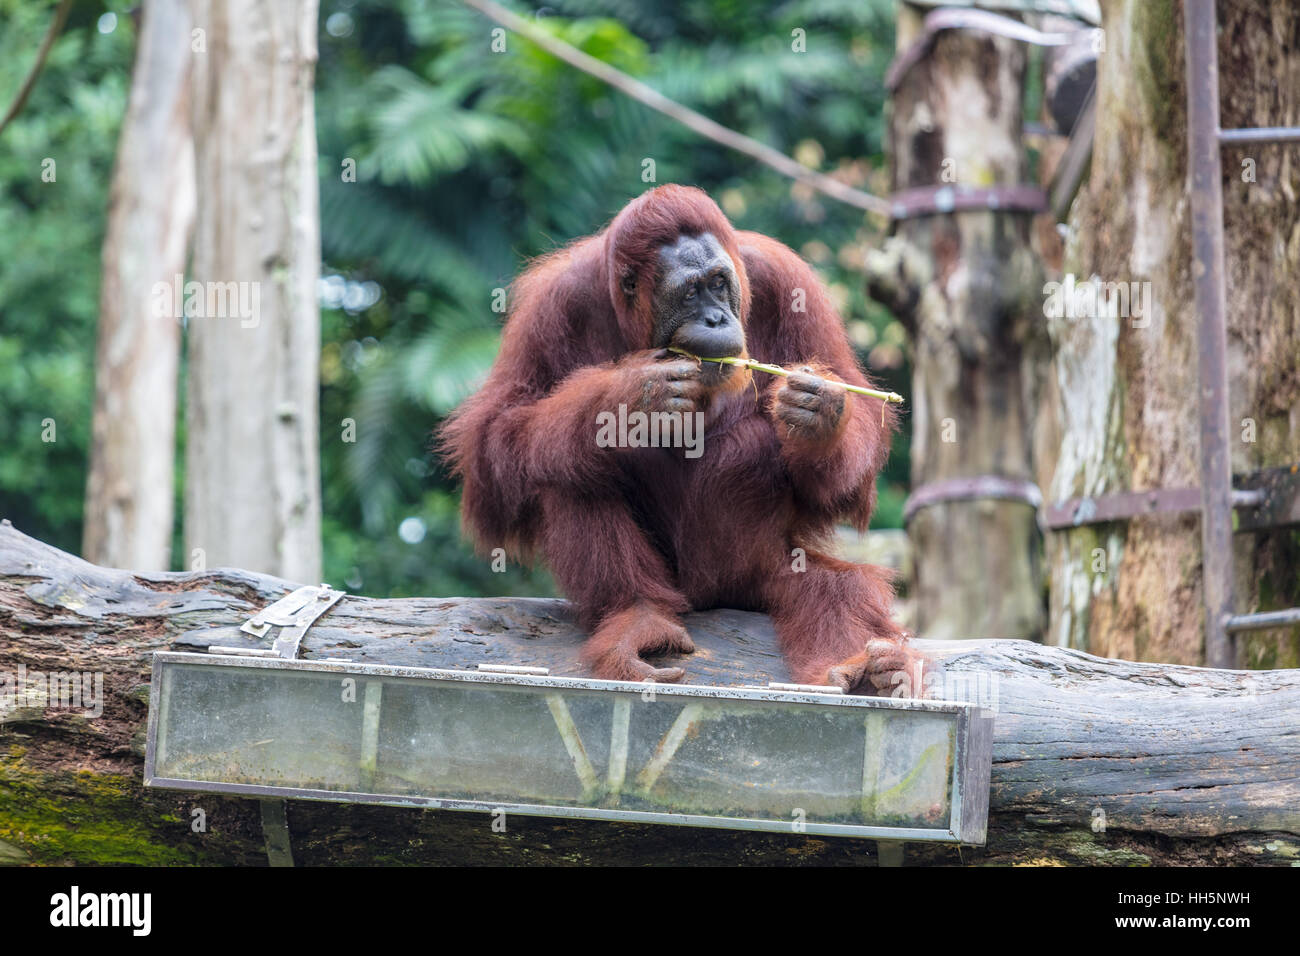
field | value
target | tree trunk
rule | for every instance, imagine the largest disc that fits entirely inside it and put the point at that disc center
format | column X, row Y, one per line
column 966, row 285
column 129, row 491
column 1129, row 384
column 252, row 461
column 1095, row 761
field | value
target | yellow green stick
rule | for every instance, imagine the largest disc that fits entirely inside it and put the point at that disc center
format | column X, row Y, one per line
column 892, row 397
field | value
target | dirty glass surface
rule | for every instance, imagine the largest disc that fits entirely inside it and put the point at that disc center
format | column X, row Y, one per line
column 566, row 747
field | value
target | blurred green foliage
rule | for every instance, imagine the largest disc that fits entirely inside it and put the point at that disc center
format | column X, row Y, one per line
column 467, row 163
column 50, row 236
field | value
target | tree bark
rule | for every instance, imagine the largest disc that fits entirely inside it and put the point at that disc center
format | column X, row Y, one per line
column 966, row 286
column 1095, row 761
column 252, row 461
column 129, row 491
column 1128, row 384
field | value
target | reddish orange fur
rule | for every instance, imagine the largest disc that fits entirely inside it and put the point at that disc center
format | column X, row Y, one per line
column 635, row 537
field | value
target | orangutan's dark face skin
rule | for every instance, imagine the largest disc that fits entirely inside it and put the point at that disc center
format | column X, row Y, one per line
column 697, row 299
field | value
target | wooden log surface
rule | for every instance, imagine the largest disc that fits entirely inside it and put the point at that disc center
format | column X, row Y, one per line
column 1095, row 761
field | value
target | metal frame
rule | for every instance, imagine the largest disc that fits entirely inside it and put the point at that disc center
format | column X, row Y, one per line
column 1269, row 498
column 1205, row 139
column 972, row 749
column 1212, row 331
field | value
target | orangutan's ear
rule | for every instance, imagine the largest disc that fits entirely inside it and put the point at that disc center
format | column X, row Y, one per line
column 628, row 283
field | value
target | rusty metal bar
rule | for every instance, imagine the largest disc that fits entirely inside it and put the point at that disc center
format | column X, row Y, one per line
column 948, row 198
column 1205, row 165
column 1260, row 134
column 976, row 488
column 1266, row 499
column 1120, row 506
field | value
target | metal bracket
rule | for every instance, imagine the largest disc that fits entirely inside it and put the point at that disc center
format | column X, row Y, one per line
column 950, row 197
column 975, row 488
column 1277, row 498
column 275, row 831
column 889, row 853
column 293, row 614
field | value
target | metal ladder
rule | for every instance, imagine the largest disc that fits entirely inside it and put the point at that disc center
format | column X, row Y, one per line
column 1204, row 142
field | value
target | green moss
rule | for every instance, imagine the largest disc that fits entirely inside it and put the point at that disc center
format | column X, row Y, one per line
column 1265, row 651
column 1088, row 849
column 1072, row 847
column 1158, row 68
column 1141, row 640
column 1276, row 589
column 1083, row 542
column 90, row 818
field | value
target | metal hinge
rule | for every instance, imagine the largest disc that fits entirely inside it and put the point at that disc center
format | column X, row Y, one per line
column 293, row 614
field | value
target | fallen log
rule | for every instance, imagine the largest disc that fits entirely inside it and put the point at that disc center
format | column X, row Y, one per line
column 1095, row 761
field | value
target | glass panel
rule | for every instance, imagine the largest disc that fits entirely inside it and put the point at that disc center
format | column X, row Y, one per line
column 511, row 743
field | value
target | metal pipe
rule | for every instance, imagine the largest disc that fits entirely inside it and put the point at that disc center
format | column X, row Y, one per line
column 1205, row 165
column 1260, row 134
column 1248, row 497
column 1264, row 620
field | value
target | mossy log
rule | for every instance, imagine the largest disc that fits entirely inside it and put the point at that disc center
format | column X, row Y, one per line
column 1095, row 761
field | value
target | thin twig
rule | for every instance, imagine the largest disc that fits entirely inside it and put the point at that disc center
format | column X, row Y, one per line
column 687, row 117
column 891, row 397
column 56, row 26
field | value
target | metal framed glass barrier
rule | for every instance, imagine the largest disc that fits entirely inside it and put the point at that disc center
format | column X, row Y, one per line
column 744, row 758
